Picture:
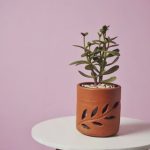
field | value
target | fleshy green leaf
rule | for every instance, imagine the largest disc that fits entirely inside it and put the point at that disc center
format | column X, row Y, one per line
column 79, row 62
column 95, row 58
column 112, row 53
column 89, row 67
column 113, row 42
column 116, row 50
column 110, row 80
column 114, row 45
column 115, row 60
column 97, row 50
column 89, row 44
column 81, row 47
column 86, row 53
column 113, row 38
column 98, row 42
column 85, row 75
column 111, row 70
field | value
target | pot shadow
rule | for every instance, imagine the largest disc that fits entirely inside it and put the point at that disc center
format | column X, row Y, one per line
column 126, row 129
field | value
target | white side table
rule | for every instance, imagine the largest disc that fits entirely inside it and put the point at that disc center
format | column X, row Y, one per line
column 60, row 133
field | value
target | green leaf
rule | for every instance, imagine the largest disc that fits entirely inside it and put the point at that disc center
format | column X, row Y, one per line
column 86, row 53
column 95, row 58
column 114, row 38
column 79, row 62
column 84, row 48
column 97, row 50
column 116, row 50
column 89, row 44
column 103, row 62
column 111, row 70
column 111, row 40
column 114, row 45
column 89, row 67
column 85, row 75
column 98, row 42
column 79, row 46
column 112, row 53
column 115, row 60
column 112, row 79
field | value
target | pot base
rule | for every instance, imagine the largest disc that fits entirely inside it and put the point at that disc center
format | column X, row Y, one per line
column 100, row 136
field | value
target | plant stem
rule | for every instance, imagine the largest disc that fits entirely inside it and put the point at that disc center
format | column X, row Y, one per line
column 84, row 42
column 94, row 77
column 103, row 60
column 100, row 77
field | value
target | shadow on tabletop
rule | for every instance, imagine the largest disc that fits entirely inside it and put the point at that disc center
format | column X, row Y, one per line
column 126, row 129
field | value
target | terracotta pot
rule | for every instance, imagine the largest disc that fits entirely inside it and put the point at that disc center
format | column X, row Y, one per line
column 98, row 111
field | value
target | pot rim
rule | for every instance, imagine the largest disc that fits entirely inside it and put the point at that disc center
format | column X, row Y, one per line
column 116, row 86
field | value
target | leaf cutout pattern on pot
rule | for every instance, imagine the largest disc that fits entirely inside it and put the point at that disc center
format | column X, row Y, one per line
column 110, row 117
column 105, row 112
column 97, row 123
column 105, row 108
column 94, row 111
column 85, row 126
column 84, row 114
column 115, row 105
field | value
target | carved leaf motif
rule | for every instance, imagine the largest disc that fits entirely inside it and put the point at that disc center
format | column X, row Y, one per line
column 115, row 105
column 110, row 117
column 85, row 126
column 84, row 114
column 94, row 111
column 97, row 123
column 105, row 108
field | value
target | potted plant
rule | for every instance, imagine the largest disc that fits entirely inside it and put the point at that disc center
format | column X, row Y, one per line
column 98, row 102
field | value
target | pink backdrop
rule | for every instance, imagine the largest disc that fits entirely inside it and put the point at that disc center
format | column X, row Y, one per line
column 36, row 82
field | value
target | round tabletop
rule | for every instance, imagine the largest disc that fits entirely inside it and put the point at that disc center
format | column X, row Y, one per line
column 61, row 133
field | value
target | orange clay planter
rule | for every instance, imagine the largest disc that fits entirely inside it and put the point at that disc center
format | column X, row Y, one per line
column 98, row 110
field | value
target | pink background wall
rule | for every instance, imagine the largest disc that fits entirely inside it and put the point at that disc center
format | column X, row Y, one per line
column 36, row 82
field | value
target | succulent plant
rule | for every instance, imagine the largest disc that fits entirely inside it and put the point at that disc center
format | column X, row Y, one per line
column 98, row 55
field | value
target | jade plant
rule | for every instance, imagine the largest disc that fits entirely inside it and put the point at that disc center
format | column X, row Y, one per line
column 98, row 57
